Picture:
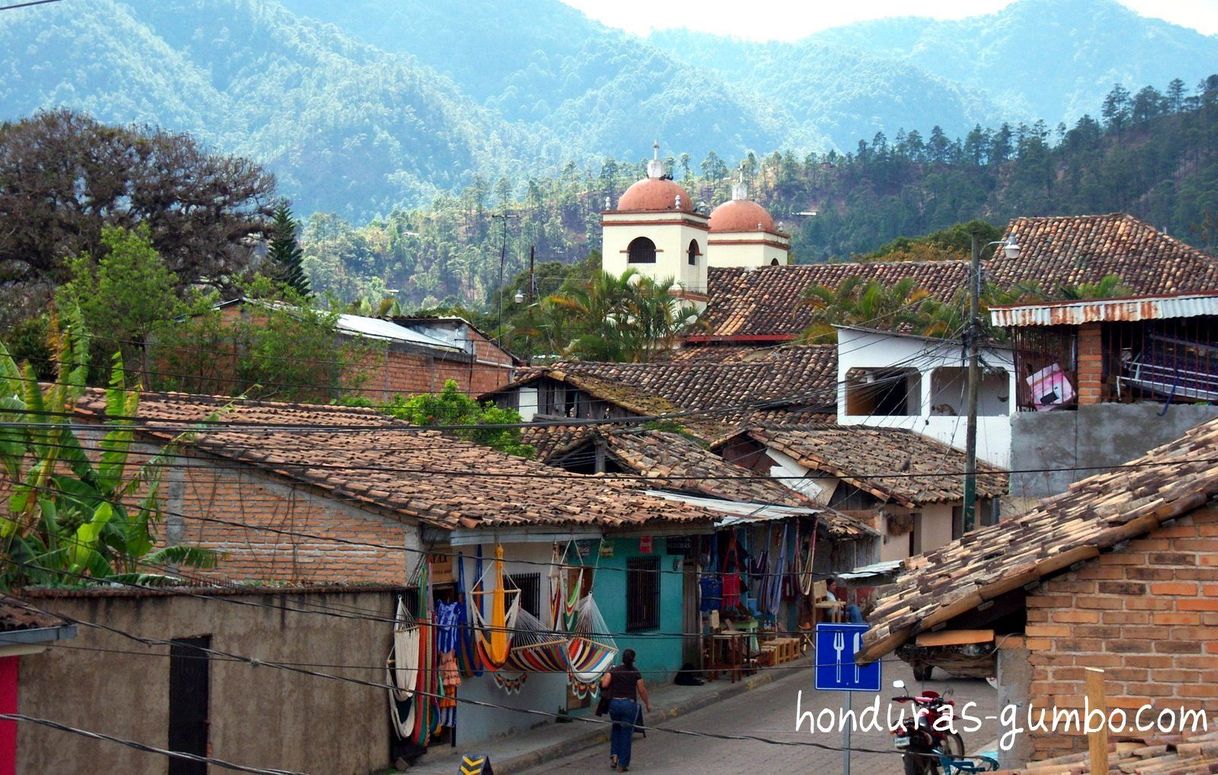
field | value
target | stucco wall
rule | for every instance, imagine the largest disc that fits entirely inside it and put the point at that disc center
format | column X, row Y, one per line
column 1054, row 449
column 659, row 650
column 260, row 716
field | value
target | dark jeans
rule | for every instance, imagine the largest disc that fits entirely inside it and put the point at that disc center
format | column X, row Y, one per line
column 624, row 713
column 854, row 615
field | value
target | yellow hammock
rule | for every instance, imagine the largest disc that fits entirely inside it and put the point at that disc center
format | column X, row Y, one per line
column 494, row 637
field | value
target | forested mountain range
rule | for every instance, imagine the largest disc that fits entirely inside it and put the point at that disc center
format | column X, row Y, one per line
column 365, row 105
column 1153, row 153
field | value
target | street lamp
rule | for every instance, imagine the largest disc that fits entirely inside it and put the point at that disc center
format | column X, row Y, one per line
column 972, row 338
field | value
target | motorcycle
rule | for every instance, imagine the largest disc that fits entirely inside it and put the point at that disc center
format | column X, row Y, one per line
column 923, row 740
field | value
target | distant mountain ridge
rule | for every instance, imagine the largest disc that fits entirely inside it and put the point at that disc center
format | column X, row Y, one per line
column 364, row 105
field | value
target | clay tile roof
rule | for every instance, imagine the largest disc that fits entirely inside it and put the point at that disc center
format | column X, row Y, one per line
column 16, row 616
column 730, row 387
column 1094, row 515
column 675, row 462
column 740, row 215
column 551, row 441
column 768, row 303
column 1166, row 755
column 890, row 463
column 672, row 461
column 368, row 458
column 655, row 195
column 1070, row 250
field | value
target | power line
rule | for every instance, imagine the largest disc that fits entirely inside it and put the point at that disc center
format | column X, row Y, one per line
column 26, row 5
column 465, row 700
column 142, row 746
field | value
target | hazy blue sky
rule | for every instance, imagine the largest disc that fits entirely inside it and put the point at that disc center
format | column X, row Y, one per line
column 790, row 19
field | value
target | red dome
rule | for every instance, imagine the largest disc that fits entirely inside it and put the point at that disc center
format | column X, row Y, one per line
column 740, row 215
column 656, row 195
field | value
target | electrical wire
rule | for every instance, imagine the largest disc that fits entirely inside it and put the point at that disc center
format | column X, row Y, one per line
column 254, row 662
column 26, row 5
column 21, row 717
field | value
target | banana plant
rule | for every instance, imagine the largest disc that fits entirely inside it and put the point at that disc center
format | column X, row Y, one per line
column 69, row 517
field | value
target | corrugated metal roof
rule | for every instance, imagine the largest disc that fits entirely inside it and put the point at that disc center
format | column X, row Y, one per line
column 1076, row 313
column 383, row 329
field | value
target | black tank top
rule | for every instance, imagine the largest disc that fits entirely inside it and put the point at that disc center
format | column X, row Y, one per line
column 623, row 683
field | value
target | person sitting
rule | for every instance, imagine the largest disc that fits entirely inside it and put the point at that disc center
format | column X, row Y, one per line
column 836, row 592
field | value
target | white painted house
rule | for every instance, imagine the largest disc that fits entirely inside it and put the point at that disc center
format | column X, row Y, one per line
column 891, row 380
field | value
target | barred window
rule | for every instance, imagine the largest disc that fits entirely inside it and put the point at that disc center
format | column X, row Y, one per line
column 529, row 585
column 642, row 593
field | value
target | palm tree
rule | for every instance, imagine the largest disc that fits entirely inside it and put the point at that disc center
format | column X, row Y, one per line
column 858, row 303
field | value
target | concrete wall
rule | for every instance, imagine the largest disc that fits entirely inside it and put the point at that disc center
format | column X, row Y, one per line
column 1057, row 448
column 1014, row 681
column 938, row 363
column 748, row 248
column 936, row 526
column 260, row 716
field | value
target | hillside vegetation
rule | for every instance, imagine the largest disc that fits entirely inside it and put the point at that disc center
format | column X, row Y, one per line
column 1153, row 154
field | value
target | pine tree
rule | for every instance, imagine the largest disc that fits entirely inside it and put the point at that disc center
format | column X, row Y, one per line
column 284, row 253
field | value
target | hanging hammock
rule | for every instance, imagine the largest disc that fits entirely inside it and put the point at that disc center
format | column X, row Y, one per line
column 491, row 639
column 467, row 654
column 535, row 648
column 402, row 666
column 805, row 554
column 770, row 597
column 426, row 717
column 590, row 648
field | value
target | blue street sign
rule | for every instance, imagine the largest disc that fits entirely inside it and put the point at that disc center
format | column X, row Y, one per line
column 836, row 670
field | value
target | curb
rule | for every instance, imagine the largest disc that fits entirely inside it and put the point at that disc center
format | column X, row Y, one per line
column 577, row 743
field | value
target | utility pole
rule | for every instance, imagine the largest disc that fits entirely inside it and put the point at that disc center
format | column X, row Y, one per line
column 505, row 215
column 972, row 336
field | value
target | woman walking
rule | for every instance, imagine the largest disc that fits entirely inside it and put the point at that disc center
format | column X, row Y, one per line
column 624, row 687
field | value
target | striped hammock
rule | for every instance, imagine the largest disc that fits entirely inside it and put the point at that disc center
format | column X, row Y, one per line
column 536, row 649
column 590, row 648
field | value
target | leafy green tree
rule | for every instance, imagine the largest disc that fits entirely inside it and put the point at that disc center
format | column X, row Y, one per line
column 128, row 293
column 283, row 252
column 452, row 407
column 67, row 519
column 66, row 177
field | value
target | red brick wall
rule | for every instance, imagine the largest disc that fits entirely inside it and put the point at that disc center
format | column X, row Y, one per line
column 397, row 372
column 1147, row 615
column 1090, row 364
column 226, row 506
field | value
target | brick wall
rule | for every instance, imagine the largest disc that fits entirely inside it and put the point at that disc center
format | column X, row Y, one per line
column 1147, row 615
column 228, row 508
column 1090, row 386
column 383, row 375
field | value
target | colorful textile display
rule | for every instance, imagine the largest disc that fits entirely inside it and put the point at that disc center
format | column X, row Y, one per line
column 467, row 657
column 590, row 648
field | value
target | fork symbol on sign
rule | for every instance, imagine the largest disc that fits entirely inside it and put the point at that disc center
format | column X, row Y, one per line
column 839, row 645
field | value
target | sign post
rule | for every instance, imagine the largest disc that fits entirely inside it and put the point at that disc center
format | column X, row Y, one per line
column 836, row 671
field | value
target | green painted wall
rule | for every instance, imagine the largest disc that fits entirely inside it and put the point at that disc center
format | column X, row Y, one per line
column 658, row 649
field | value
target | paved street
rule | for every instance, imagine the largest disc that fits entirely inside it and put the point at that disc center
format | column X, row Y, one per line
column 770, row 712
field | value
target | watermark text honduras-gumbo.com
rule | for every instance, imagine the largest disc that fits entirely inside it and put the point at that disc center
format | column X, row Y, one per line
column 1012, row 719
